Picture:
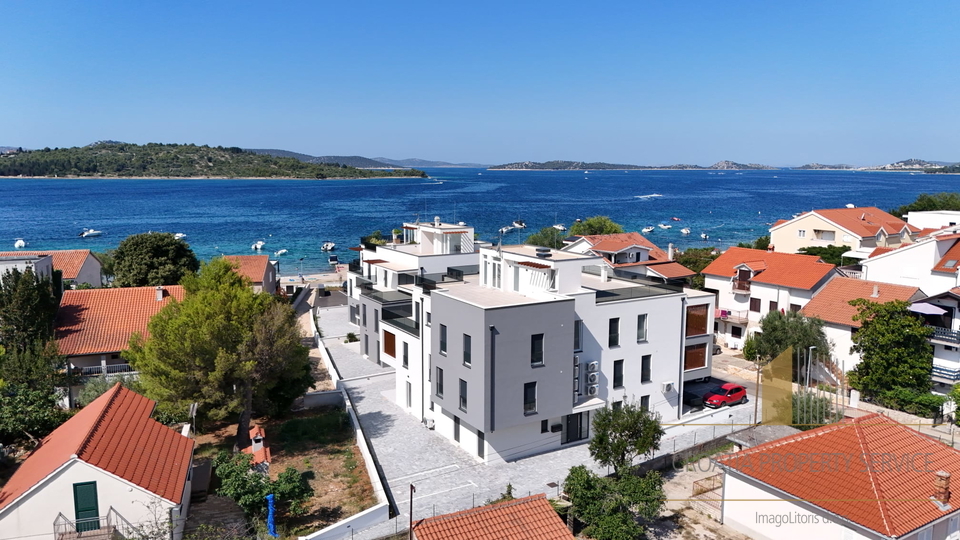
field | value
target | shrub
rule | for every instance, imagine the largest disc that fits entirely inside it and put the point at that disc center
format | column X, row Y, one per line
column 351, row 338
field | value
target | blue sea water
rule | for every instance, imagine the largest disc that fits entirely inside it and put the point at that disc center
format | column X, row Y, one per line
column 227, row 216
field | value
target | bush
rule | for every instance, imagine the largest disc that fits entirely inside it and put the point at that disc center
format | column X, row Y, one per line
column 351, row 338
column 910, row 401
column 249, row 489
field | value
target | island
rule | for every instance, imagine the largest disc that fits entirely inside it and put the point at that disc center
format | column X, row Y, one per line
column 822, row 167
column 112, row 159
column 559, row 165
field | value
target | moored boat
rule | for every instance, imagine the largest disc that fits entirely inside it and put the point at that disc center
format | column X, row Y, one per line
column 328, row 246
column 648, row 229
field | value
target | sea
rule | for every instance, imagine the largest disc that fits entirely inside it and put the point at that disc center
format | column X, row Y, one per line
column 229, row 216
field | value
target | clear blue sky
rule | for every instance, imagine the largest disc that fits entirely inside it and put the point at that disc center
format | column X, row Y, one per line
column 636, row 82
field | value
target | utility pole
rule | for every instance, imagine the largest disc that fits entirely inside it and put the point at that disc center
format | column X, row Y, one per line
column 410, row 531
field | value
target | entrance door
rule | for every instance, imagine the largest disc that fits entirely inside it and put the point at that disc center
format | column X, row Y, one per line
column 86, row 507
column 572, row 428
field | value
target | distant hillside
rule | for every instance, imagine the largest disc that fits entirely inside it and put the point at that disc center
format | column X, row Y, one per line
column 952, row 169
column 734, row 166
column 821, row 167
column 557, row 165
column 419, row 163
column 173, row 161
column 908, row 165
column 350, row 161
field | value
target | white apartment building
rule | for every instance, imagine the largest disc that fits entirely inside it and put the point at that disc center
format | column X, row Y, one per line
column 510, row 355
column 749, row 283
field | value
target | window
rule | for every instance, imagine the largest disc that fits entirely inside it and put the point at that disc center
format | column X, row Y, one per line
column 456, row 428
column 406, row 354
column 614, row 335
column 390, row 344
column 694, row 356
column 530, row 398
column 697, row 320
column 443, row 339
column 772, row 306
column 618, row 373
column 950, row 264
column 463, row 395
column 801, row 233
column 736, row 331
column 577, row 336
column 926, row 534
column 440, row 382
column 480, row 444
column 755, row 305
column 536, row 350
column 428, row 318
column 645, row 368
column 366, row 345
column 794, row 307
column 376, row 320
column 645, row 403
column 953, row 526
column 364, row 308
column 641, row 327
column 544, row 426
column 617, row 405
column 467, row 342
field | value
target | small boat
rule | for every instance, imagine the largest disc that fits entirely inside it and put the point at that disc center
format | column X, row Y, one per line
column 648, row 229
column 90, row 233
column 328, row 246
column 19, row 243
column 333, row 260
column 586, row 172
column 650, row 196
column 280, row 252
column 675, row 219
column 519, row 224
column 685, row 231
column 258, row 245
column 851, row 205
column 506, row 229
column 664, row 226
column 704, row 236
column 560, row 227
column 179, row 236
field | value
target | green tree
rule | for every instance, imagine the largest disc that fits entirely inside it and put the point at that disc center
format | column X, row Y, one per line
column 782, row 330
column 760, row 243
column 893, row 346
column 546, row 237
column 621, row 435
column 830, row 254
column 107, row 263
column 596, row 225
column 610, row 506
column 224, row 347
column 930, row 201
column 696, row 259
column 249, row 489
column 27, row 413
column 28, row 306
column 38, row 367
column 153, row 259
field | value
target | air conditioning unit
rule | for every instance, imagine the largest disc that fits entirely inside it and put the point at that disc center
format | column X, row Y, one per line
column 593, row 389
column 593, row 366
column 593, row 378
column 666, row 387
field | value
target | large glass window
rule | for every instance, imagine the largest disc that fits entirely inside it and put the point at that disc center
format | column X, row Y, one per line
column 613, row 339
column 645, row 362
column 443, row 339
column 536, row 350
column 406, row 354
column 467, row 345
column 376, row 320
column 530, row 398
column 694, row 357
column 618, row 373
column 641, row 327
column 463, row 395
column 697, row 320
column 577, row 336
column 363, row 308
column 440, row 381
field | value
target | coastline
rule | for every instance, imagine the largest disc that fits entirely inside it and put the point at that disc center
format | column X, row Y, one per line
column 73, row 177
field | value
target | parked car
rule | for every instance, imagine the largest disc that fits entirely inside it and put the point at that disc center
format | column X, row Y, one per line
column 717, row 349
column 727, row 394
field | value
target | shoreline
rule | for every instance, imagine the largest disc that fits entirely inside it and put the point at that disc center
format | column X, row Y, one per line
column 71, row 177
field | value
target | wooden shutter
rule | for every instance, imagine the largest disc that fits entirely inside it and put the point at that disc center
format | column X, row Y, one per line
column 389, row 344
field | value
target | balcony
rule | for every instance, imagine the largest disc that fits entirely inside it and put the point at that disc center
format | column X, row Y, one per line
column 354, row 267
column 734, row 316
column 106, row 369
column 945, row 374
column 112, row 526
column 385, row 297
column 401, row 316
column 741, row 286
column 629, row 293
column 945, row 335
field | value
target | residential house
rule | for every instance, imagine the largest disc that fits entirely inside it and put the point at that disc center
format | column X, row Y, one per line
column 106, row 470
column 261, row 272
column 528, row 518
column 630, row 255
column 929, row 264
column 933, row 219
column 77, row 266
column 94, row 326
column 942, row 313
column 40, row 264
column 749, row 283
column 864, row 478
column 860, row 229
column 832, row 305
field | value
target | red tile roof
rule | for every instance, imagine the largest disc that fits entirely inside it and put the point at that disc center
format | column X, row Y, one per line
column 832, row 302
column 671, row 270
column 114, row 433
column 68, row 261
column 97, row 321
column 890, row 499
column 263, row 454
column 784, row 269
column 880, row 251
column 950, row 260
column 529, row 518
column 865, row 221
column 539, row 266
column 253, row 267
column 611, row 243
column 928, row 230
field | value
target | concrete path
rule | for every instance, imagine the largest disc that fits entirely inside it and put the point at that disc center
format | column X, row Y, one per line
column 334, row 321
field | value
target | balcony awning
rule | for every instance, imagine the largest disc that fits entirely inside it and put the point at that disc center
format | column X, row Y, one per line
column 454, row 232
column 409, row 228
column 927, row 309
column 355, row 248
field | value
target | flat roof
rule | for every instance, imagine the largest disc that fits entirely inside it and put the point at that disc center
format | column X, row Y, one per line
column 396, row 267
column 23, row 257
column 442, row 226
column 488, row 297
column 555, row 255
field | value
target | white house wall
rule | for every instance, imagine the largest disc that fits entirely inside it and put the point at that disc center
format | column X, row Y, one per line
column 89, row 272
column 839, row 336
column 34, row 514
column 912, row 266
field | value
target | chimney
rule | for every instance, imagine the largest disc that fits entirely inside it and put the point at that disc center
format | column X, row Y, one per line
column 876, row 292
column 770, row 248
column 159, row 293
column 941, row 488
column 670, row 251
column 436, row 221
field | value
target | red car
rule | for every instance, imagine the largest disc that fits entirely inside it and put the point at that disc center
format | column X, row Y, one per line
column 728, row 394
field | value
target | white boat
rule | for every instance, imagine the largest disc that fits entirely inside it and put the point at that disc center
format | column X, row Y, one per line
column 560, row 227
column 179, row 236
column 328, row 246
column 664, row 226
column 519, row 224
column 685, row 230
column 19, row 243
column 648, row 229
column 506, row 229
column 650, row 196
column 586, row 172
column 333, row 260
column 704, row 236
column 258, row 245
column 851, row 205
column 280, row 252
column 90, row 233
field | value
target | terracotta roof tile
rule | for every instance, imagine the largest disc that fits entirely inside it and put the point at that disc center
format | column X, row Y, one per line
column 69, row 261
column 832, row 302
column 253, row 267
column 114, row 433
column 671, row 270
column 263, row 454
column 865, row 221
column 529, row 518
column 880, row 251
column 928, row 230
column 950, row 260
column 618, row 242
column 784, row 269
column 889, row 499
column 102, row 320
column 539, row 266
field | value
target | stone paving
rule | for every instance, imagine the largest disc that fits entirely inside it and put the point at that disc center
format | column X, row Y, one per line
column 334, row 321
